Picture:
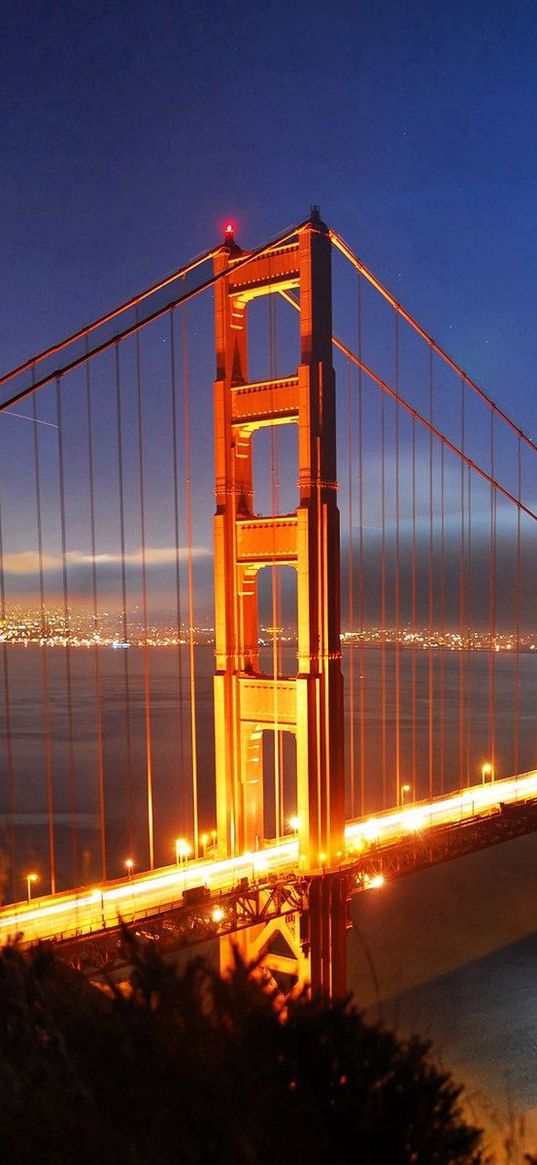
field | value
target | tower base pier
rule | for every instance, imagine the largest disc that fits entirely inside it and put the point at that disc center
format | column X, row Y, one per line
column 299, row 950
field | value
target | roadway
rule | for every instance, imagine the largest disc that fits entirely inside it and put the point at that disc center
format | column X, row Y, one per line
column 85, row 911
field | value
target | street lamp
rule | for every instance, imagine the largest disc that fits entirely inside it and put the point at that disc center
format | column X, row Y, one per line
column 294, row 822
column 204, row 839
column 403, row 791
column 487, row 773
column 182, row 851
column 29, row 879
column 129, row 866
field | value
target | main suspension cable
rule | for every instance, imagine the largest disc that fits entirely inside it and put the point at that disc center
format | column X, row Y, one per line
column 350, row 355
column 135, row 328
column 372, row 279
column 86, row 331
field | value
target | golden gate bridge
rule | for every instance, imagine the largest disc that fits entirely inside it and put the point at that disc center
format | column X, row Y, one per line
column 373, row 704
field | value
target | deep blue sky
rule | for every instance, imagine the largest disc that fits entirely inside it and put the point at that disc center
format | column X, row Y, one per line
column 131, row 131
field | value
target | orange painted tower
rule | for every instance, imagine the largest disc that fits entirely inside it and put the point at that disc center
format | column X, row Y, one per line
column 310, row 703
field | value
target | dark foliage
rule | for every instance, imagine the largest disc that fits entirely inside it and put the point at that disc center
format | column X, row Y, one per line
column 198, row 1070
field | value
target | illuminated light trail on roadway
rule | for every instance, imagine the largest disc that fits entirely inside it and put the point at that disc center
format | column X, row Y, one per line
column 87, row 911
column 444, row 810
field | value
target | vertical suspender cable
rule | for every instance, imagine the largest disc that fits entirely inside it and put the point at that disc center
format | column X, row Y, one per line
column 492, row 604
column 462, row 643
column 430, row 602
column 188, row 517
column 383, row 594
column 413, row 683
column 518, row 564
column 96, row 658
column 66, row 611
column 397, row 582
column 124, row 617
column 276, row 592
column 351, row 592
column 7, row 717
column 442, row 618
column 361, row 656
column 175, row 456
column 45, row 676
column 147, row 682
column 469, row 628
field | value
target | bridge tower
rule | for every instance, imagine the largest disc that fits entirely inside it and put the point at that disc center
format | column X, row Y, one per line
column 248, row 702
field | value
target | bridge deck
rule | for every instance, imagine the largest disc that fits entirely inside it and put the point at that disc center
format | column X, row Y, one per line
column 84, row 911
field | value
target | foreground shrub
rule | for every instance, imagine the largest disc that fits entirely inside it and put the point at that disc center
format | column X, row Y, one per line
column 194, row 1069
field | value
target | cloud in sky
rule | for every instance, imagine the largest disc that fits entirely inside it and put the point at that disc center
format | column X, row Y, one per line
column 26, row 562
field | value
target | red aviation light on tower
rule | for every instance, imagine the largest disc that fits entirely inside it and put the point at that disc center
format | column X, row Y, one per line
column 229, row 233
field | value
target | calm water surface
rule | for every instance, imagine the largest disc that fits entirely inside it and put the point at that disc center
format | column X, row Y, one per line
column 451, row 953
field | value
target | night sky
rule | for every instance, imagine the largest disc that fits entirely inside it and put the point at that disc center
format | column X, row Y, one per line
column 132, row 131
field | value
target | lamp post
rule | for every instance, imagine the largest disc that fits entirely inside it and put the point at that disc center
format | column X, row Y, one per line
column 487, row 773
column 30, row 878
column 129, row 866
column 294, row 822
column 403, row 791
column 182, row 851
column 204, row 840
